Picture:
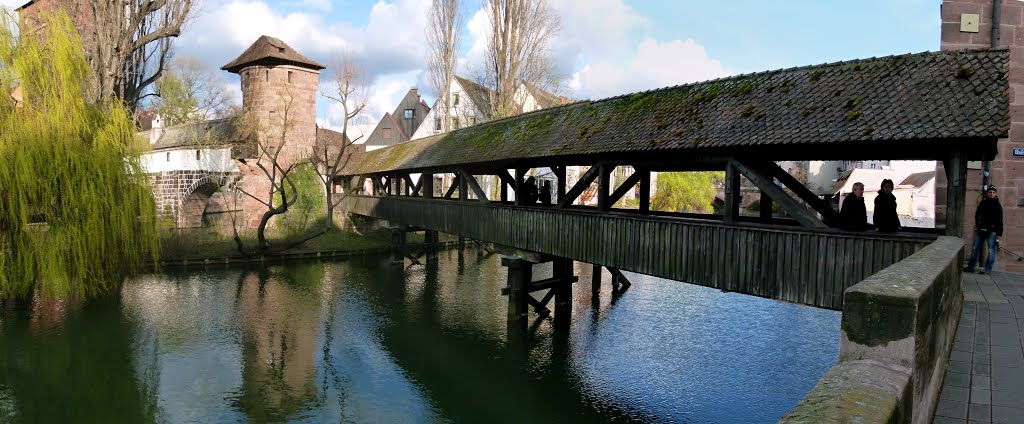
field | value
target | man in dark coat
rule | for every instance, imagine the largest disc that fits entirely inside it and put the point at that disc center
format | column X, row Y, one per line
column 885, row 209
column 988, row 228
column 853, row 216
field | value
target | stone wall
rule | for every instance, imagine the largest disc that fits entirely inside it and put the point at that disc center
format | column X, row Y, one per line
column 1007, row 172
column 173, row 191
column 897, row 331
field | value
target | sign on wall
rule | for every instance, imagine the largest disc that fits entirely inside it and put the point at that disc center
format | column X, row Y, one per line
column 1018, row 152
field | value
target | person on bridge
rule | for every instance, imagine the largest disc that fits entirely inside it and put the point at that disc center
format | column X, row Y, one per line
column 885, row 209
column 988, row 228
column 853, row 216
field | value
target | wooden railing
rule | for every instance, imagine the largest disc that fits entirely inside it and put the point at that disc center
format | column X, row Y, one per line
column 795, row 264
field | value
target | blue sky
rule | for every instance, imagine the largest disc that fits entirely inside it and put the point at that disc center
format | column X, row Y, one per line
column 605, row 48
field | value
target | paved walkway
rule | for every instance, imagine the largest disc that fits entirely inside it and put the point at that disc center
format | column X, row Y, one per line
column 984, row 380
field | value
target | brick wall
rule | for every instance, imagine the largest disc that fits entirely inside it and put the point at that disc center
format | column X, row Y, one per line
column 274, row 92
column 1007, row 172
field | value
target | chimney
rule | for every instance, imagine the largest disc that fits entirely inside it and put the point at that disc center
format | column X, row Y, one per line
column 157, row 129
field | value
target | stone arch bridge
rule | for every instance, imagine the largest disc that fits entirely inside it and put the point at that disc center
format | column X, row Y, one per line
column 186, row 196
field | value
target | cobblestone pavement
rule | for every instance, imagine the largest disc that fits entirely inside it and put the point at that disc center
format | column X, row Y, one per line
column 984, row 380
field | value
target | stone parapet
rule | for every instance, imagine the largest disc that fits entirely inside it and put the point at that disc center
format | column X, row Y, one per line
column 897, row 331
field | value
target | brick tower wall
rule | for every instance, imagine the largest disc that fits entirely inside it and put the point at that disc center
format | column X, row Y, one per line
column 1007, row 172
column 283, row 98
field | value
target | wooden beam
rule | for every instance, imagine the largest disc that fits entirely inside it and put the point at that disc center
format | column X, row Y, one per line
column 579, row 187
column 463, row 187
column 474, row 185
column 451, row 189
column 520, row 182
column 413, row 188
column 645, row 189
column 731, row 213
column 545, row 284
column 956, row 191
column 820, row 205
column 604, row 187
column 767, row 184
column 625, row 187
column 619, row 281
column 506, row 181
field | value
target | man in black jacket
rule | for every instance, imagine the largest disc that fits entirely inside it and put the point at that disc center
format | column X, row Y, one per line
column 853, row 216
column 988, row 227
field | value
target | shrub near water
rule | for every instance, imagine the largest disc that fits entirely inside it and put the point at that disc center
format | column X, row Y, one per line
column 77, row 213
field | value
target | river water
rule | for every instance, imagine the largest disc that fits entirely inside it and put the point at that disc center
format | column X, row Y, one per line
column 368, row 341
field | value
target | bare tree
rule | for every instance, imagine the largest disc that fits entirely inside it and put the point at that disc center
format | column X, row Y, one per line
column 442, row 51
column 190, row 91
column 330, row 156
column 269, row 171
column 129, row 42
column 518, row 51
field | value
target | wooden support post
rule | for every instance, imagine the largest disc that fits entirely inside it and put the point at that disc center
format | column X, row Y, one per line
column 463, row 187
column 562, row 268
column 430, row 239
column 397, row 244
column 595, row 281
column 765, row 204
column 604, row 187
column 520, row 183
column 956, row 191
column 520, row 273
column 427, row 185
column 560, row 174
column 619, row 281
column 645, row 190
column 732, row 193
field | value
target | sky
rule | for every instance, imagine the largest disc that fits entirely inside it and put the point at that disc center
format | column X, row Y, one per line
column 605, row 47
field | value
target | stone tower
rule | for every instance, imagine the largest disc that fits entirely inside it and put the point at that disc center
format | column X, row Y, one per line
column 279, row 88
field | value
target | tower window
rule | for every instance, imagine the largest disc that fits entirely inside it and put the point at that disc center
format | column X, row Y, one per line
column 410, row 113
column 268, row 74
column 289, row 77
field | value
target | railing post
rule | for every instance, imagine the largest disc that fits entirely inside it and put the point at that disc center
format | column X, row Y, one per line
column 645, row 190
column 603, row 186
column 732, row 193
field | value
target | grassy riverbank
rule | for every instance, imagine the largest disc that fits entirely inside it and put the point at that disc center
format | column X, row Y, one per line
column 209, row 243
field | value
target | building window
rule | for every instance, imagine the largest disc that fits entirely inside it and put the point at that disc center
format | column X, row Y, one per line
column 874, row 165
column 437, row 124
column 289, row 77
column 197, row 154
column 455, row 123
column 387, row 132
column 410, row 113
column 455, row 99
column 168, row 156
column 472, row 121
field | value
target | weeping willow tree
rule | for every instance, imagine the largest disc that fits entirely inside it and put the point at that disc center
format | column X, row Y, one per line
column 77, row 212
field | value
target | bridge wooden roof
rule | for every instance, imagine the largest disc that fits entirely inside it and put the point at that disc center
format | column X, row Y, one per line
column 906, row 106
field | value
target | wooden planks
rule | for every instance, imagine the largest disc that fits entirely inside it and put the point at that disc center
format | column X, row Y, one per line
column 795, row 264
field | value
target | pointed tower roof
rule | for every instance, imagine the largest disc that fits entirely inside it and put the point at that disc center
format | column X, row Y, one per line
column 270, row 51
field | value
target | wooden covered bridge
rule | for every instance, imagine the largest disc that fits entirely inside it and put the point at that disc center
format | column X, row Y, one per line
column 948, row 106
